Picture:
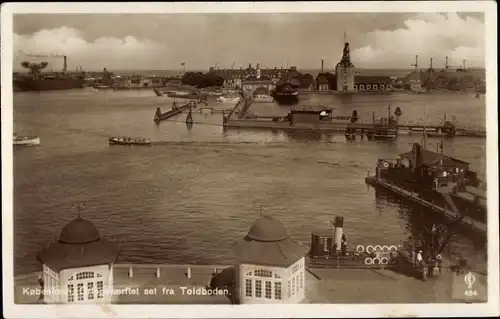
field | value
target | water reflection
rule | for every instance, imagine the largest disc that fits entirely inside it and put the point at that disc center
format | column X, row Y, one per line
column 419, row 222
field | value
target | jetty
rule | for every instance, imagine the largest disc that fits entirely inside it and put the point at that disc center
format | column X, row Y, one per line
column 159, row 116
column 320, row 118
column 437, row 182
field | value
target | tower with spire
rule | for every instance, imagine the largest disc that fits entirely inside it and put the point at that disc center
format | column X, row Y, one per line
column 344, row 70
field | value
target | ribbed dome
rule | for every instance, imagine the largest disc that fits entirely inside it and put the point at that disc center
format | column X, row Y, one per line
column 267, row 229
column 79, row 231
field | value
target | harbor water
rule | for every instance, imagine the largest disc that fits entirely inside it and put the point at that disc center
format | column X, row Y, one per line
column 186, row 199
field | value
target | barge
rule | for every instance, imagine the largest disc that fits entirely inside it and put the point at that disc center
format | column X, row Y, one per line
column 438, row 182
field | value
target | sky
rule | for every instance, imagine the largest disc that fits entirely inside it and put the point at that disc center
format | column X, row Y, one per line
column 164, row 41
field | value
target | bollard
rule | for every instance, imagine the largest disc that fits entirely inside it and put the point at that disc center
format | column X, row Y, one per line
column 158, row 272
column 189, row 272
column 130, row 272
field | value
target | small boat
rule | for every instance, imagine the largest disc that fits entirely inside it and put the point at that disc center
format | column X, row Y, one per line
column 26, row 140
column 225, row 99
column 124, row 140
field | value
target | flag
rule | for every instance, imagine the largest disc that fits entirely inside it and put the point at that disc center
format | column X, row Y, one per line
column 183, row 63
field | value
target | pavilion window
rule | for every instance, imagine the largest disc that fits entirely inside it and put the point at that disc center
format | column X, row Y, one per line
column 90, row 291
column 100, row 290
column 258, row 288
column 289, row 290
column 268, row 290
column 79, row 292
column 71, row 293
column 277, row 290
column 248, row 288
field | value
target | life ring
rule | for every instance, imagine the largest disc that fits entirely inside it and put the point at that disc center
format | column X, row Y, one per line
column 378, row 248
column 368, row 261
column 376, row 261
column 360, row 248
column 386, row 165
column 370, row 249
column 384, row 260
column 385, row 249
column 393, row 248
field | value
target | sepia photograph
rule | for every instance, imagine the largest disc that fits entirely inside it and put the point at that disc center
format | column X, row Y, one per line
column 265, row 158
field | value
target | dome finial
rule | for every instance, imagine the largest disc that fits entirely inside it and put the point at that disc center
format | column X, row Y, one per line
column 78, row 209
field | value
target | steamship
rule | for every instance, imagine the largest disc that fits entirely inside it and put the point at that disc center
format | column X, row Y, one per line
column 286, row 92
column 36, row 81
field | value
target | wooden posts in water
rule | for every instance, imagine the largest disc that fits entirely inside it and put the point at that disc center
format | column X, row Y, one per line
column 188, row 274
column 158, row 272
column 130, row 272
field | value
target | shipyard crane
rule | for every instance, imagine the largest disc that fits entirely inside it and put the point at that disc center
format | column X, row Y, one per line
column 416, row 63
column 460, row 68
column 65, row 66
column 345, row 63
column 34, row 68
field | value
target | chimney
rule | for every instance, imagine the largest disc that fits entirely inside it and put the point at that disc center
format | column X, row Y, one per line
column 337, row 233
column 65, row 65
column 322, row 63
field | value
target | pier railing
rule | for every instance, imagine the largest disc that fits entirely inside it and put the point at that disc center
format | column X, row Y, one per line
column 156, row 268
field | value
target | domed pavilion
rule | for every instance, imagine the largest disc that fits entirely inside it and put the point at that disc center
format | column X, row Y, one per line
column 271, row 266
column 79, row 265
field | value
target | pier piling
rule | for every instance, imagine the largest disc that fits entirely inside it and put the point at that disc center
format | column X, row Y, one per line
column 130, row 272
column 188, row 274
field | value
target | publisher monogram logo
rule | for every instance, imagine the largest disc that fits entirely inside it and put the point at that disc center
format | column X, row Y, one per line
column 469, row 279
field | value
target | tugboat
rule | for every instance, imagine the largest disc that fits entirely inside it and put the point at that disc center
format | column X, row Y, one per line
column 129, row 141
column 329, row 248
column 26, row 140
column 435, row 181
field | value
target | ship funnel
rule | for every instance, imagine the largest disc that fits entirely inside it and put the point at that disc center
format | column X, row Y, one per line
column 65, row 64
column 337, row 234
column 322, row 64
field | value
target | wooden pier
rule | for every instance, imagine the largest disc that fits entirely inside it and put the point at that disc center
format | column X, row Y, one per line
column 473, row 224
column 159, row 116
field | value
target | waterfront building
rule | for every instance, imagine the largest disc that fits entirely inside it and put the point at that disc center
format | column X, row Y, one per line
column 78, row 267
column 309, row 113
column 344, row 71
column 326, row 82
column 322, row 82
column 250, row 83
column 372, row 83
column 271, row 266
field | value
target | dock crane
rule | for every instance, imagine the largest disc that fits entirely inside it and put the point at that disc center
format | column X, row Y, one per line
column 65, row 65
column 460, row 68
column 416, row 63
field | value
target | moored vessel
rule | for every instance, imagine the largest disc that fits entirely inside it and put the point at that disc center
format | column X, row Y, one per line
column 329, row 248
column 26, row 140
column 286, row 92
column 434, row 180
column 125, row 140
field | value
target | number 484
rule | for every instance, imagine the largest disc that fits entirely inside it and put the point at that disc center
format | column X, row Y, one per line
column 470, row 293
